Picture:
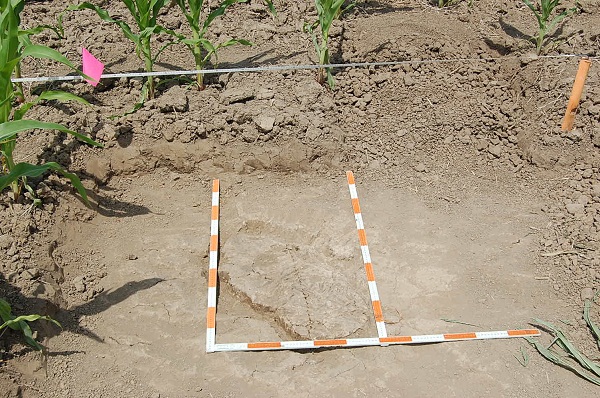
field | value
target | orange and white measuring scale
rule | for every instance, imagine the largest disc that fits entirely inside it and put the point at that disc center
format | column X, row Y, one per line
column 382, row 338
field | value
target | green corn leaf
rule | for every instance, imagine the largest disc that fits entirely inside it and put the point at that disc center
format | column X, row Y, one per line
column 5, row 310
column 133, row 10
column 8, row 99
column 593, row 327
column 156, row 6
column 217, row 13
column 48, row 96
column 566, row 345
column 28, row 318
column 557, row 359
column 30, row 170
column 330, row 79
column 271, row 7
column 28, row 334
column 208, row 46
column 10, row 129
column 105, row 16
column 560, row 17
column 231, row 42
column 193, row 16
column 37, row 51
column 20, row 323
column 40, row 28
column 538, row 16
column 62, row 96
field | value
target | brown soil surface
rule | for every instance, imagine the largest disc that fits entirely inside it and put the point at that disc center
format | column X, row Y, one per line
column 477, row 208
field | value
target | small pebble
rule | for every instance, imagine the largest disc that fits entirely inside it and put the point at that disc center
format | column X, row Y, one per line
column 587, row 293
column 420, row 168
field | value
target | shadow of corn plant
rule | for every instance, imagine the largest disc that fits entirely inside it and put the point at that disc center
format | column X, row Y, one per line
column 69, row 318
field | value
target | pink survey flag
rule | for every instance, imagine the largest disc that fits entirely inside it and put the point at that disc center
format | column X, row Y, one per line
column 91, row 67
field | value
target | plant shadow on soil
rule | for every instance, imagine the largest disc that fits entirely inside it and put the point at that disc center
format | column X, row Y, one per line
column 111, row 207
column 515, row 33
column 372, row 7
column 253, row 61
column 68, row 318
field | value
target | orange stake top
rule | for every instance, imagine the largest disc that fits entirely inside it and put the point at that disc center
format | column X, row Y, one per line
column 582, row 72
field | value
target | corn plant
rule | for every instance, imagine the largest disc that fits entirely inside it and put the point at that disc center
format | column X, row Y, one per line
column 14, row 46
column 201, row 48
column 446, row 3
column 144, row 13
column 546, row 23
column 20, row 323
column 564, row 353
column 327, row 12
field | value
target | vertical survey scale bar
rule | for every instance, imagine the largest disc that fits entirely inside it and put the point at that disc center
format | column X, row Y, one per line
column 364, row 248
column 212, row 269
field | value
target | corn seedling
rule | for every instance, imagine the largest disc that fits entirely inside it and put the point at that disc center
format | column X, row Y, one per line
column 21, row 323
column 201, row 48
column 546, row 23
column 12, row 50
column 145, row 13
column 563, row 353
column 327, row 12
column 446, row 3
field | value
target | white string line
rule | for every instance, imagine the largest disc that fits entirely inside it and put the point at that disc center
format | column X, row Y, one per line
column 283, row 68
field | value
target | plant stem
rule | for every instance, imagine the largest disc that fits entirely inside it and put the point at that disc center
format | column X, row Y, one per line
column 146, row 50
column 20, row 94
column 324, row 57
column 197, row 51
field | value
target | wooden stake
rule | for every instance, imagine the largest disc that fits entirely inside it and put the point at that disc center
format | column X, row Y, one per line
column 582, row 72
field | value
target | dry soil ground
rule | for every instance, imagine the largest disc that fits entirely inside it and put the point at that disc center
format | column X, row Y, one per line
column 466, row 183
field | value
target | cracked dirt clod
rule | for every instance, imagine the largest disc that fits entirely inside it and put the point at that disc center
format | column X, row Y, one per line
column 307, row 273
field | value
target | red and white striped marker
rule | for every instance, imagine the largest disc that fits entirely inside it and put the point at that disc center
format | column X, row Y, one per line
column 382, row 340
column 364, row 342
column 364, row 248
column 212, row 269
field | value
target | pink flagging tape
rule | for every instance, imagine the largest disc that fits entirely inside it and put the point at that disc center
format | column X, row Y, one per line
column 374, row 341
column 92, row 67
column 364, row 248
column 211, row 312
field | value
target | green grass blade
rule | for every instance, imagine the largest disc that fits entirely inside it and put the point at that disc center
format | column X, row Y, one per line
column 459, row 322
column 524, row 357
